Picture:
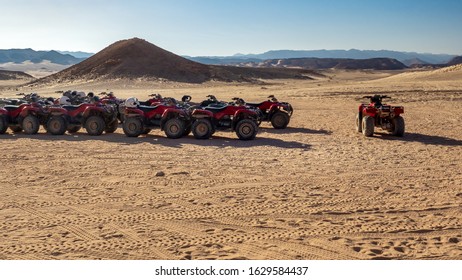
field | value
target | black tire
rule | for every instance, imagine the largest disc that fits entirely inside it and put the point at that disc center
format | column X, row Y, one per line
column 368, row 126
column 111, row 127
column 56, row 125
column 398, row 126
column 202, row 129
column 146, row 131
column 174, row 128
column 187, row 130
column 3, row 124
column 95, row 125
column 280, row 120
column 133, row 127
column 359, row 125
column 16, row 129
column 74, row 129
column 30, row 124
column 246, row 129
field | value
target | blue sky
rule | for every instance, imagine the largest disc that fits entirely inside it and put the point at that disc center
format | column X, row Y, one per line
column 226, row 27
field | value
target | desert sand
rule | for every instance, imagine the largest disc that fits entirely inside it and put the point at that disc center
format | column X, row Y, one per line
column 316, row 190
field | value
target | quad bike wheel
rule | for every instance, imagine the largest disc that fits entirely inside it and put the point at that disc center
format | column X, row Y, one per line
column 133, row 127
column 30, row 124
column 202, row 129
column 56, row 125
column 74, row 129
column 358, row 123
column 3, row 124
column 368, row 126
column 111, row 127
column 398, row 126
column 246, row 129
column 146, row 131
column 95, row 125
column 280, row 120
column 174, row 128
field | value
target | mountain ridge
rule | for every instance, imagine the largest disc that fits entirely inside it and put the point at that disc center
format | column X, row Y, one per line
column 22, row 55
column 347, row 54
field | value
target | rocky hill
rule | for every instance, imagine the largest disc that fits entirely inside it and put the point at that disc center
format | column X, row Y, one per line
column 137, row 58
column 14, row 75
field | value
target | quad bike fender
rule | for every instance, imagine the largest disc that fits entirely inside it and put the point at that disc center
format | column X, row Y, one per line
column 90, row 111
column 3, row 112
column 200, row 114
column 171, row 112
column 57, row 111
column 398, row 110
column 265, row 105
column 240, row 113
column 133, row 112
column 28, row 111
column 369, row 111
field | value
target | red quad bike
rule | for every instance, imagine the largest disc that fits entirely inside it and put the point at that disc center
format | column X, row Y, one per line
column 140, row 119
column 110, row 98
column 240, row 119
column 25, row 117
column 95, row 117
column 376, row 114
column 278, row 113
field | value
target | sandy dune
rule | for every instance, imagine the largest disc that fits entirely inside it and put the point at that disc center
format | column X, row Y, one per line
column 317, row 190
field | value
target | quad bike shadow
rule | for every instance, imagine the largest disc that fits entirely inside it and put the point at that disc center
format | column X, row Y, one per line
column 421, row 138
column 160, row 139
column 293, row 130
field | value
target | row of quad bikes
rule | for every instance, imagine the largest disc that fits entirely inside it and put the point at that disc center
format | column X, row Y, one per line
column 176, row 119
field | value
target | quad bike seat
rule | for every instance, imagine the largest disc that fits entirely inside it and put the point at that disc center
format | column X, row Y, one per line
column 254, row 104
column 147, row 108
column 71, row 107
column 214, row 109
column 10, row 108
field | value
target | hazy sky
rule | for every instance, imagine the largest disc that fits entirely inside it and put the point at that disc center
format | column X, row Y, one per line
column 226, row 27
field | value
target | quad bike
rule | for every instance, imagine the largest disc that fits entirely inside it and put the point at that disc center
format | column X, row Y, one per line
column 110, row 98
column 376, row 114
column 220, row 115
column 95, row 117
column 278, row 113
column 25, row 117
column 140, row 119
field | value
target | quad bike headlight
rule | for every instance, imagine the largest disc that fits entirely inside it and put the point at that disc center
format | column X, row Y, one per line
column 392, row 115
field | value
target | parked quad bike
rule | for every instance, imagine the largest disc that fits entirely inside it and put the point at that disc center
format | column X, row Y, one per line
column 141, row 119
column 96, row 118
column 376, row 114
column 278, row 113
column 26, row 117
column 223, row 116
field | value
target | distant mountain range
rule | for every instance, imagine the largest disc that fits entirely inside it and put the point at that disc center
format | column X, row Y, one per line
column 23, row 55
column 408, row 58
column 71, row 58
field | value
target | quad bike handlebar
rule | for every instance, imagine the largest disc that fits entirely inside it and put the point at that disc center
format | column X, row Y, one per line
column 211, row 97
column 186, row 98
column 377, row 96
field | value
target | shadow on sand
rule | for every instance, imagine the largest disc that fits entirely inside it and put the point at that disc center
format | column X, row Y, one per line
column 422, row 138
column 290, row 130
column 157, row 137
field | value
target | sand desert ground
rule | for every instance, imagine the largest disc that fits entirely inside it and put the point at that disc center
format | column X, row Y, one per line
column 317, row 190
